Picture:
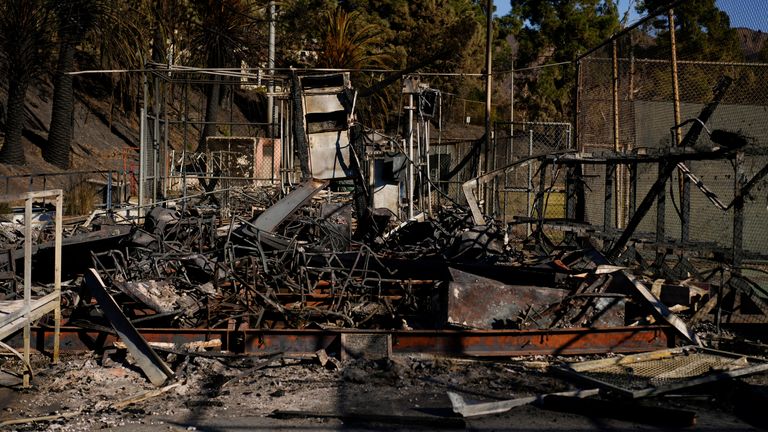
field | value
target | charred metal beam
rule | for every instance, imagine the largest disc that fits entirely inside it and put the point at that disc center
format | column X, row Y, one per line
column 273, row 216
column 147, row 359
column 297, row 126
column 469, row 186
column 479, row 343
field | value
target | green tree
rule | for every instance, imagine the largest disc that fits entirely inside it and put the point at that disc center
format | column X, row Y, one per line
column 555, row 31
column 702, row 31
column 24, row 39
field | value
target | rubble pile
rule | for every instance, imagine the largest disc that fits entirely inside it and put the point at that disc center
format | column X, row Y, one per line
column 190, row 265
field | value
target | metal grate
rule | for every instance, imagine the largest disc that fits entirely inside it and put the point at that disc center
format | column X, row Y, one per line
column 661, row 371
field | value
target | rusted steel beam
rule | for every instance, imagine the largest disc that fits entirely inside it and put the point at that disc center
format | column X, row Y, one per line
column 574, row 341
column 74, row 339
column 477, row 343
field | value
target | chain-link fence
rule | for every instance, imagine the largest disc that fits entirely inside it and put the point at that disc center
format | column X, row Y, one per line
column 190, row 147
column 639, row 98
column 522, row 189
column 84, row 191
column 631, row 94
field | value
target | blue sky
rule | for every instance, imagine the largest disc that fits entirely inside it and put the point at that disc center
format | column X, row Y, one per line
column 743, row 13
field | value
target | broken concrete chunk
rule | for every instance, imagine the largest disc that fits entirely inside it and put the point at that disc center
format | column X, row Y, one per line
column 322, row 357
column 159, row 295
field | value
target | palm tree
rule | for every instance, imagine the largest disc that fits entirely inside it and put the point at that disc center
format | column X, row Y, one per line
column 118, row 42
column 348, row 43
column 24, row 39
column 75, row 19
column 224, row 34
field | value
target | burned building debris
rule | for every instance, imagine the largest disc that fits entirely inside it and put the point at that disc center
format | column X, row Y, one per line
column 333, row 249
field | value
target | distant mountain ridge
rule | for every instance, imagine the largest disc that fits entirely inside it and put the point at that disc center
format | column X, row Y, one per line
column 752, row 42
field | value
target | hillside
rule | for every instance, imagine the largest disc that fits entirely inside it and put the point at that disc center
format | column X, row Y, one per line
column 95, row 145
column 752, row 42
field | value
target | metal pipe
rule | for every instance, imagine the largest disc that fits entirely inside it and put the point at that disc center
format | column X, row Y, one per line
column 439, row 138
column 429, row 180
column 271, row 67
column 419, row 160
column 27, row 283
column 142, row 156
column 617, row 172
column 684, row 184
column 484, row 160
column 528, row 210
column 156, row 140
column 165, row 161
column 675, row 86
column 57, row 274
column 410, row 156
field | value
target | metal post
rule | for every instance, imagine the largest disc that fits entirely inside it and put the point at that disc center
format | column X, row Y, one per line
column 27, row 284
column 660, row 216
column 164, row 160
column 109, row 193
column 576, row 104
column 570, row 192
column 738, row 213
column 271, row 66
column 143, row 144
column 675, row 87
column 491, row 201
column 57, row 274
column 685, row 209
column 684, row 184
column 186, row 115
column 439, row 140
column 528, row 210
column 155, row 139
column 418, row 162
column 511, row 153
column 512, row 102
column 410, row 156
column 429, row 173
column 610, row 171
column 542, row 197
column 483, row 159
column 632, row 189
column 142, row 156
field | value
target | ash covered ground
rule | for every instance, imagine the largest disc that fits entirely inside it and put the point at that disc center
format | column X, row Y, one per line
column 92, row 392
